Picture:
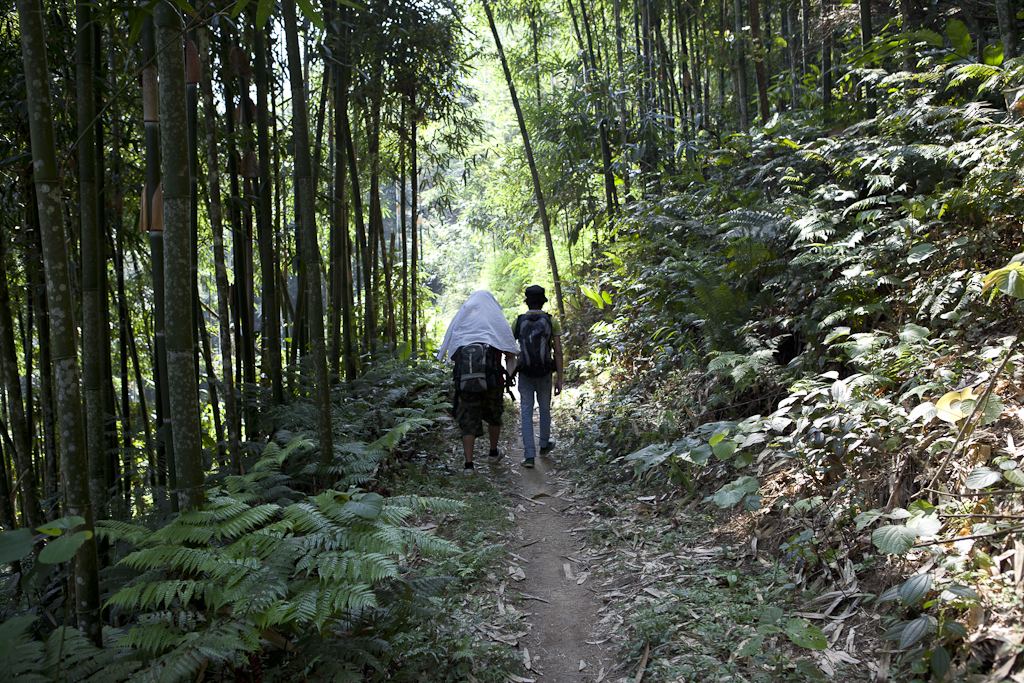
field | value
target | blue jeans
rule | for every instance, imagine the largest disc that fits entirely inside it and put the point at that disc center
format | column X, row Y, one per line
column 539, row 387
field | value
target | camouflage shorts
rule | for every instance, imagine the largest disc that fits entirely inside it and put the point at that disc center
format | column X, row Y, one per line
column 472, row 410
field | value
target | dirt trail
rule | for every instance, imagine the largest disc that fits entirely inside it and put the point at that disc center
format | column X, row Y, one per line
column 553, row 555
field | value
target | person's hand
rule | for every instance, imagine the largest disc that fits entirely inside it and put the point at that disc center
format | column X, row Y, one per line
column 558, row 386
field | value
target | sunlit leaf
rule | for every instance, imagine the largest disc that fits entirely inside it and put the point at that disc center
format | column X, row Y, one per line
column 921, row 252
column 1014, row 476
column 982, row 477
column 894, row 539
column 958, row 592
column 58, row 526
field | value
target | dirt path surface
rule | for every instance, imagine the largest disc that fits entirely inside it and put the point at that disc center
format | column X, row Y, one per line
column 552, row 573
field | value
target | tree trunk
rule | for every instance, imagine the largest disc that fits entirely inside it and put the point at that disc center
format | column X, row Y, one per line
column 759, row 67
column 866, row 36
column 25, row 476
column 220, row 273
column 61, row 305
column 1006, row 14
column 541, row 207
column 90, row 241
column 741, row 68
column 271, row 320
column 153, row 223
column 304, row 185
column 181, row 374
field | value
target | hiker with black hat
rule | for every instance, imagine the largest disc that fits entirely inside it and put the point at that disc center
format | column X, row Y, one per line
column 540, row 355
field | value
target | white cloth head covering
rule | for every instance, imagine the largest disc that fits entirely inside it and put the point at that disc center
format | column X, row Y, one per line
column 479, row 321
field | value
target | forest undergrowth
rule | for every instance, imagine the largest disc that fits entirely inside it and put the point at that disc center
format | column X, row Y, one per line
column 819, row 339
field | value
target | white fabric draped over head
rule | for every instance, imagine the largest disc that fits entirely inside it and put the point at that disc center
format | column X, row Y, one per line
column 479, row 321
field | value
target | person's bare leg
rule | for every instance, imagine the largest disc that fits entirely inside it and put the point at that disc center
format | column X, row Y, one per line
column 494, row 431
column 467, row 446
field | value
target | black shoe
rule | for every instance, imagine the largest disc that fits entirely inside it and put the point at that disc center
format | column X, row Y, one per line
column 467, row 470
column 527, row 462
column 495, row 457
column 547, row 449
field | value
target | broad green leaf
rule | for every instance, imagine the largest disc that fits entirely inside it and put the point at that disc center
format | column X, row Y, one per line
column 723, row 448
column 990, row 412
column 924, row 412
column 733, row 492
column 368, row 506
column 929, row 37
column 982, row 477
column 993, row 55
column 915, row 589
column 913, row 333
column 63, row 548
column 58, row 526
column 940, row 661
column 1007, row 280
column 750, row 647
column 12, row 634
column 867, row 518
column 959, row 38
column 803, row 634
column 1014, row 476
column 921, row 252
column 836, row 334
column 700, row 455
column 955, row 628
column 840, row 391
column 925, row 525
column 607, row 298
column 890, row 594
column 958, row 592
column 916, row 630
column 14, row 545
column 807, row 668
column 770, row 615
column 894, row 539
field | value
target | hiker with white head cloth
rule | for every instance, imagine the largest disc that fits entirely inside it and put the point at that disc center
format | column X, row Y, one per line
column 480, row 343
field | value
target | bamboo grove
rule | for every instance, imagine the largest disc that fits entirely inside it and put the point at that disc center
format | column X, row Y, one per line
column 211, row 211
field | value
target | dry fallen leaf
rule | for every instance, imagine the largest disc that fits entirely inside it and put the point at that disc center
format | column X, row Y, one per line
column 526, row 658
column 568, row 571
column 583, row 665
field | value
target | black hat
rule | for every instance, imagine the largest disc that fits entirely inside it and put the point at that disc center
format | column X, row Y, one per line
column 535, row 293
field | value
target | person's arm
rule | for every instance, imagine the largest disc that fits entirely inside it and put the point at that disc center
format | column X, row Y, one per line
column 556, row 346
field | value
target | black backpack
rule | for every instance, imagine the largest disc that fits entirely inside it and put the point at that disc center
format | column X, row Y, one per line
column 533, row 330
column 477, row 368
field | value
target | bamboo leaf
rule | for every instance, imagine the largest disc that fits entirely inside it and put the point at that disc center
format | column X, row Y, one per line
column 308, row 11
